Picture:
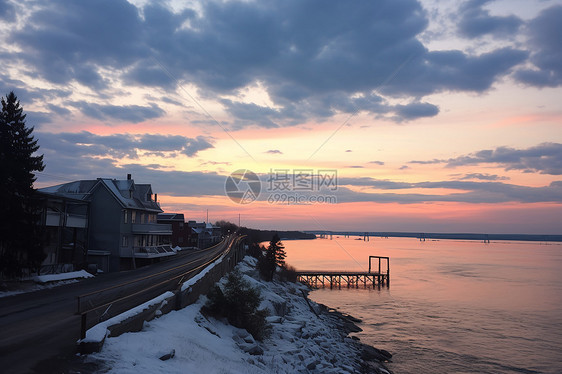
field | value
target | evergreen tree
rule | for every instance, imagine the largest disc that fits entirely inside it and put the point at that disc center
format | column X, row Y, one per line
column 19, row 212
column 274, row 256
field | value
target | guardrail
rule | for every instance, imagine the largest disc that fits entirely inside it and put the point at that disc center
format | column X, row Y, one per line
column 99, row 306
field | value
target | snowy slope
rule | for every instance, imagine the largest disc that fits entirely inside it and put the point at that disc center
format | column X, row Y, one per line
column 300, row 341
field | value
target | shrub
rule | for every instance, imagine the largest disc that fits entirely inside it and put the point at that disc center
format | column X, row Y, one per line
column 239, row 303
column 288, row 274
column 255, row 251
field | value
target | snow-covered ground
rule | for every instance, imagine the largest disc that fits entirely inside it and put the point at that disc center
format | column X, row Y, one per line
column 300, row 342
column 46, row 281
column 62, row 276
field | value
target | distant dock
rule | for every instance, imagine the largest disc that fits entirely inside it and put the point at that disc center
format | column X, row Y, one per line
column 349, row 279
column 422, row 236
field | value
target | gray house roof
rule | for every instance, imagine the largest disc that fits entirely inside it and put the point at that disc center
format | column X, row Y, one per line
column 126, row 192
column 171, row 217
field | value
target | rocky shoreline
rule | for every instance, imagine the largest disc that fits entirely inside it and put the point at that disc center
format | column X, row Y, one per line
column 305, row 337
column 372, row 359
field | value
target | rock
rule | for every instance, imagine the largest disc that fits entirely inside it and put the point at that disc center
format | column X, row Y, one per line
column 351, row 327
column 350, row 318
column 311, row 363
column 237, row 339
column 372, row 354
column 376, row 368
column 280, row 308
column 274, row 319
column 168, row 356
column 211, row 331
column 386, row 353
column 255, row 350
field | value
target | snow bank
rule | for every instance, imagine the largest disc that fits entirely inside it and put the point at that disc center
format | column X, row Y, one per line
column 300, row 341
column 62, row 276
column 190, row 282
column 99, row 332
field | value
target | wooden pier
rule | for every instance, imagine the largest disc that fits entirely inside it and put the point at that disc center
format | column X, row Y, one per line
column 349, row 279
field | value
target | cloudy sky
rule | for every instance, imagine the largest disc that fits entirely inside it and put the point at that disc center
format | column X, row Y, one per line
column 403, row 115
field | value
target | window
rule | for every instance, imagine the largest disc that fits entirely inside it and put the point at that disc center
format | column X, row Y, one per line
column 142, row 218
column 125, row 216
column 133, row 217
column 124, row 241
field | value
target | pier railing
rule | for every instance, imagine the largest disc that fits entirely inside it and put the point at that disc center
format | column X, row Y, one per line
column 380, row 258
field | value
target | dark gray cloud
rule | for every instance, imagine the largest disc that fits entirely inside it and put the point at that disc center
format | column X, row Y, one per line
column 86, row 144
column 37, row 119
column 163, row 181
column 176, row 182
column 483, row 176
column 58, row 110
column 69, row 41
column 172, row 182
column 148, row 73
column 545, row 158
column 470, row 192
column 310, row 65
column 545, row 33
column 476, row 21
column 193, row 146
column 416, row 110
column 427, row 162
column 27, row 94
column 376, row 162
column 251, row 114
column 440, row 71
column 7, row 11
column 274, row 152
column 116, row 113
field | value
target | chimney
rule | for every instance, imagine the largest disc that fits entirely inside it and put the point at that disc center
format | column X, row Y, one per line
column 156, row 197
column 128, row 177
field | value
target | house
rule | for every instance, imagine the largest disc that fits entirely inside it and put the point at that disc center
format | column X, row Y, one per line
column 203, row 234
column 180, row 230
column 65, row 232
column 122, row 228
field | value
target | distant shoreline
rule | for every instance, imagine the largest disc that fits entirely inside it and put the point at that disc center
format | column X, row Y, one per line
column 457, row 236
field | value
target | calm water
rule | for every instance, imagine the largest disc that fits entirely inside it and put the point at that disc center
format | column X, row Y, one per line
column 452, row 306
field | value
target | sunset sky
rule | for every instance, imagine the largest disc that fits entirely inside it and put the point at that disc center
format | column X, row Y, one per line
column 434, row 116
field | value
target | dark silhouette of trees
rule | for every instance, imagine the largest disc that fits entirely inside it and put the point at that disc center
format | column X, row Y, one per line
column 274, row 256
column 20, row 244
column 238, row 301
column 227, row 227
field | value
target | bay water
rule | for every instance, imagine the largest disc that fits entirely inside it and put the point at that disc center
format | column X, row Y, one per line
column 452, row 306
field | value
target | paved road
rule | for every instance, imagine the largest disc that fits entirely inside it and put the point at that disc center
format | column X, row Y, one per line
column 39, row 330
